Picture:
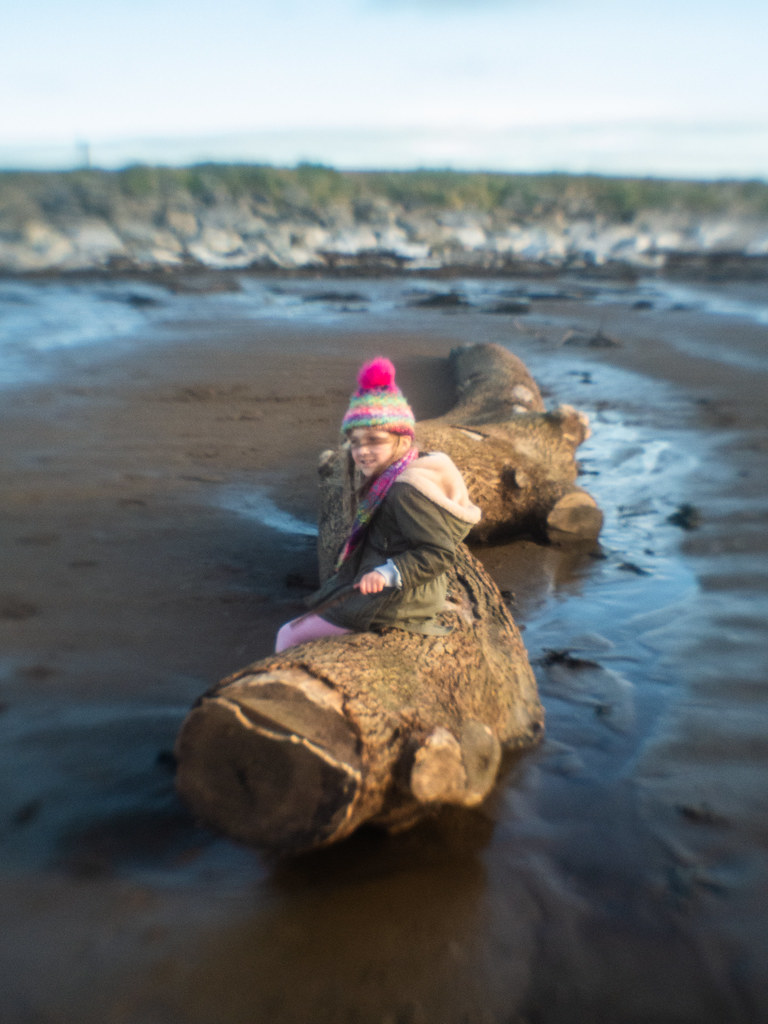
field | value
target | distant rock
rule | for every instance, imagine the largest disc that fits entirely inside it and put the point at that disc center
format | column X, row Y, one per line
column 514, row 307
column 59, row 223
column 596, row 340
column 686, row 516
column 441, row 300
column 182, row 223
column 93, row 242
column 39, row 246
column 343, row 298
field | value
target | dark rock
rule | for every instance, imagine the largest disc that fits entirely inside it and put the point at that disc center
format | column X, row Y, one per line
column 336, row 297
column 636, row 569
column 513, row 307
column 585, row 377
column 597, row 340
column 556, row 295
column 562, row 656
column 140, row 301
column 717, row 266
column 442, row 300
column 687, row 517
column 213, row 282
column 701, row 814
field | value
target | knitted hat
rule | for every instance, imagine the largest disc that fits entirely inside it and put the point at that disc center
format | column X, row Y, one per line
column 378, row 401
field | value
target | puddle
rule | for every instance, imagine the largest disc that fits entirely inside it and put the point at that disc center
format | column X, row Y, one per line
column 255, row 504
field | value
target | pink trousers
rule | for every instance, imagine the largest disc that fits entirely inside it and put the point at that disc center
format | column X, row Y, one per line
column 310, row 628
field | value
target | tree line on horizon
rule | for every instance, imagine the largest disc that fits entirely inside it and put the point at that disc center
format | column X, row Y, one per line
column 314, row 187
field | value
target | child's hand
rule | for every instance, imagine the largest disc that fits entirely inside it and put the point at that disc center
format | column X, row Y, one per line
column 371, row 583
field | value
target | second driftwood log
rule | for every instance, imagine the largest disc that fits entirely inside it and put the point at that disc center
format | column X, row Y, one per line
column 518, row 459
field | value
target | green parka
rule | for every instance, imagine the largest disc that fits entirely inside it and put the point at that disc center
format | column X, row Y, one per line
column 426, row 513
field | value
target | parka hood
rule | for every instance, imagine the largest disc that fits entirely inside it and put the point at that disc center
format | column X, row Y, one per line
column 436, row 477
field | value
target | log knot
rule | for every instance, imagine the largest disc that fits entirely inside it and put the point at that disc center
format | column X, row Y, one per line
column 513, row 478
column 452, row 770
column 326, row 463
column 438, row 774
column 572, row 423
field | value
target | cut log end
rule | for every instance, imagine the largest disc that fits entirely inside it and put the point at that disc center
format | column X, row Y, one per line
column 244, row 774
column 575, row 516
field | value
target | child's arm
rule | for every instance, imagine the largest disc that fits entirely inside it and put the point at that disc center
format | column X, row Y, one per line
column 432, row 533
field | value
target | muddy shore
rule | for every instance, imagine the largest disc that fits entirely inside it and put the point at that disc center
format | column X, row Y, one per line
column 158, row 503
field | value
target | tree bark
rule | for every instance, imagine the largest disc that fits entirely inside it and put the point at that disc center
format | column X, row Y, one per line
column 518, row 460
column 297, row 750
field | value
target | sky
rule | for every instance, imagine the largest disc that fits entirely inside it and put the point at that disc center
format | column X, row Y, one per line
column 659, row 87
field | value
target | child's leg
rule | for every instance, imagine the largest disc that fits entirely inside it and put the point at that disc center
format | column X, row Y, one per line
column 310, row 628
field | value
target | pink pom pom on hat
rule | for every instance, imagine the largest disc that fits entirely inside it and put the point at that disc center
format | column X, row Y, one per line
column 378, row 401
column 379, row 373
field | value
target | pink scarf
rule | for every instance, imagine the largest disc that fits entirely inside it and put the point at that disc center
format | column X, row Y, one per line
column 376, row 493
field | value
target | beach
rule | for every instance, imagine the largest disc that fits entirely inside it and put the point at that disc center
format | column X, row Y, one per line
column 159, row 501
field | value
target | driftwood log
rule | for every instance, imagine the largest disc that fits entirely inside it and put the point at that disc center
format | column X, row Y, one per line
column 299, row 749
column 518, row 459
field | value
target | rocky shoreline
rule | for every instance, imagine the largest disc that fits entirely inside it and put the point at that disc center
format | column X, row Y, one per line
column 56, row 225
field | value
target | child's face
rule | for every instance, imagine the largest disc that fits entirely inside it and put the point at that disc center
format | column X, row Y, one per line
column 374, row 450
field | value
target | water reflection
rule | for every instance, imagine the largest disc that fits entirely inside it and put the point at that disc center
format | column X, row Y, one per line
column 528, row 574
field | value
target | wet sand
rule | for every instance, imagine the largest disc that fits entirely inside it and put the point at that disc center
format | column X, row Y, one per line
column 157, row 527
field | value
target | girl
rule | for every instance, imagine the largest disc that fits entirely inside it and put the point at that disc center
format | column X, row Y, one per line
column 413, row 511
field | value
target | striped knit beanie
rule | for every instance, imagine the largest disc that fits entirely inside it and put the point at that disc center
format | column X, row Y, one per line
column 378, row 401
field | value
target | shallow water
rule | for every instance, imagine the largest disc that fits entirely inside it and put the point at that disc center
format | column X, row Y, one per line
column 40, row 320
column 618, row 873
